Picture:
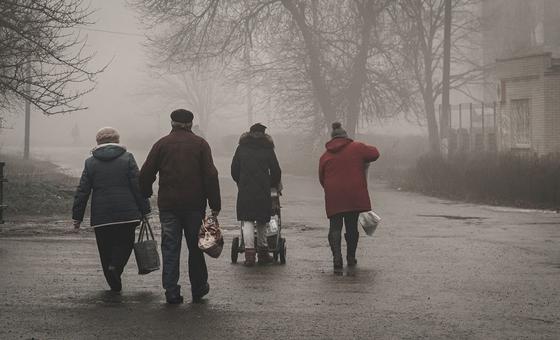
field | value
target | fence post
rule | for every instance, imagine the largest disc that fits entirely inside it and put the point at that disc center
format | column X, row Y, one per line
column 449, row 114
column 471, row 127
column 460, row 118
column 483, row 135
column 2, row 180
column 496, row 128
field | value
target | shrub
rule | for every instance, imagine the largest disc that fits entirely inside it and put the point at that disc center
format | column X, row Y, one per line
column 507, row 178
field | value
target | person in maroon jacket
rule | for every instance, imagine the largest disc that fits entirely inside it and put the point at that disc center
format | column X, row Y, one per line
column 342, row 173
column 187, row 180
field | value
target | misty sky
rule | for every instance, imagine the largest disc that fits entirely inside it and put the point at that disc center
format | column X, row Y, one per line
column 117, row 99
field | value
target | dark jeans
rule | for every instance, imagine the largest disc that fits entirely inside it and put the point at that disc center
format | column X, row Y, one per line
column 173, row 225
column 115, row 243
column 350, row 220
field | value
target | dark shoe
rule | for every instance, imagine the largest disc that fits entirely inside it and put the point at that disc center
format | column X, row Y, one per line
column 337, row 265
column 351, row 245
column 197, row 298
column 264, row 256
column 334, row 242
column 114, row 279
column 174, row 300
column 250, row 254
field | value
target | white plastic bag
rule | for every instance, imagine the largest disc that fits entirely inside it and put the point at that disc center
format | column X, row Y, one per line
column 272, row 226
column 369, row 221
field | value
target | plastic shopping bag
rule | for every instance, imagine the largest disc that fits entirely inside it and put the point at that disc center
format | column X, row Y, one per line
column 210, row 239
column 369, row 221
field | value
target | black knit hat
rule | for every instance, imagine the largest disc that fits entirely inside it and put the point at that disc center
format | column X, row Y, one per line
column 338, row 131
column 182, row 116
column 257, row 128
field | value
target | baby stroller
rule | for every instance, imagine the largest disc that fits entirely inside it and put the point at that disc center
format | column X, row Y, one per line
column 276, row 243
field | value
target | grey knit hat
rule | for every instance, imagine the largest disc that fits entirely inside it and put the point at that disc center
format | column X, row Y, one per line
column 107, row 135
column 338, row 131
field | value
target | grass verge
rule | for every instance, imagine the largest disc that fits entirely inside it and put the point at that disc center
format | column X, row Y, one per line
column 36, row 188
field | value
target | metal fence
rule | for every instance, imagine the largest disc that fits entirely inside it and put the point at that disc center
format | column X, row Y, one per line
column 473, row 127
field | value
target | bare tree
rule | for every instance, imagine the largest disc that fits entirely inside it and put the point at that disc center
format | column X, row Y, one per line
column 328, row 59
column 41, row 55
column 418, row 24
column 201, row 91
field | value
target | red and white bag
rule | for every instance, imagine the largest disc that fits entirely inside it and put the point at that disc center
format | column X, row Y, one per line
column 210, row 239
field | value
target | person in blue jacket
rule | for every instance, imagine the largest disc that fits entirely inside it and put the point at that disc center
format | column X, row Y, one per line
column 110, row 175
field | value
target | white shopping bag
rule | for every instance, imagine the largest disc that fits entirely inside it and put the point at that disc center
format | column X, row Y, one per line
column 369, row 221
column 272, row 227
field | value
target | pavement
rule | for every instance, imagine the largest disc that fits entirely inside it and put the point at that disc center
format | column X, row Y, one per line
column 434, row 269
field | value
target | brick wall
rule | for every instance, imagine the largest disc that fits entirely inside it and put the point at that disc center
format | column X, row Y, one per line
column 534, row 78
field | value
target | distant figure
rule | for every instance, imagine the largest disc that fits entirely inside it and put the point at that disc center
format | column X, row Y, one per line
column 343, row 177
column 117, row 206
column 256, row 171
column 75, row 134
column 187, row 179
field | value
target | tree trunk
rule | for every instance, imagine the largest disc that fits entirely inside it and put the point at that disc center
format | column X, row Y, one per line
column 354, row 91
column 433, row 131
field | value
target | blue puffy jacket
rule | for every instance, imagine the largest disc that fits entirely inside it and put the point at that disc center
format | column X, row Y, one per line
column 111, row 175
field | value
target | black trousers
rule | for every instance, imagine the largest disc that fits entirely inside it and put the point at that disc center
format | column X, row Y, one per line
column 350, row 221
column 115, row 243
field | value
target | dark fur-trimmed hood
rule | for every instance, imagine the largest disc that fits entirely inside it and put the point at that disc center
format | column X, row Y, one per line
column 256, row 139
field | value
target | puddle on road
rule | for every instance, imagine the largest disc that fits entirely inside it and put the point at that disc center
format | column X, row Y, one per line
column 456, row 217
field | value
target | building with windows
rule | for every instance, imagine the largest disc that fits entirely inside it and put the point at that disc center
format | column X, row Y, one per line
column 528, row 94
column 522, row 42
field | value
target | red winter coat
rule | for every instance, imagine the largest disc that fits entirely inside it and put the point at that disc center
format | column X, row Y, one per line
column 342, row 175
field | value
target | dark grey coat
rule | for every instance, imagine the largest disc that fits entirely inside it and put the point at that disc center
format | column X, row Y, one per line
column 255, row 169
column 112, row 174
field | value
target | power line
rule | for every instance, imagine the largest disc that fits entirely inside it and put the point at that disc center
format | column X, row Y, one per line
column 112, row 32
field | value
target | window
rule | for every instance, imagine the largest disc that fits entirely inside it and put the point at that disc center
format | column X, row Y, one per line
column 520, row 123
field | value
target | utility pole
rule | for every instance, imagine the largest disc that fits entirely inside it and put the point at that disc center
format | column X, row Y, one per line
column 27, row 113
column 445, row 112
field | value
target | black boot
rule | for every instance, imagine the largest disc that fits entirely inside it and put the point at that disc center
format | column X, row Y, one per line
column 114, row 278
column 335, row 243
column 351, row 245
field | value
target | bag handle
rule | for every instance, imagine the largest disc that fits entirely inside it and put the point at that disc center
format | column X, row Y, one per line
column 144, row 229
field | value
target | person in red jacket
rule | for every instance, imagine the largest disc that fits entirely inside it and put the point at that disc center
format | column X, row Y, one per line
column 342, row 173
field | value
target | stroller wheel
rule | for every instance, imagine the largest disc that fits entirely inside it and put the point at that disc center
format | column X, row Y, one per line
column 282, row 250
column 234, row 249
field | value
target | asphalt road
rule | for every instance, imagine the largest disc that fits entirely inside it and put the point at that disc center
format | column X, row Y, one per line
column 434, row 269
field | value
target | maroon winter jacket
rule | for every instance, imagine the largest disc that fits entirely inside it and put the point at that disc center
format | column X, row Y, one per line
column 342, row 175
column 187, row 175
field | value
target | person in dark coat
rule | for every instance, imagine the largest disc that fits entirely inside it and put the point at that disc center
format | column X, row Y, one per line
column 342, row 173
column 117, row 206
column 188, row 180
column 256, row 171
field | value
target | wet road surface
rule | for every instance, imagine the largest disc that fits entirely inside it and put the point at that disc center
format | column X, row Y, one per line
column 434, row 269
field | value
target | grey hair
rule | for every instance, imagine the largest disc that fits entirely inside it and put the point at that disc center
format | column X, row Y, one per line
column 107, row 135
column 180, row 125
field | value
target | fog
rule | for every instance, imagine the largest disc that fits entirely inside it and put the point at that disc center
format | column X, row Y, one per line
column 129, row 97
column 126, row 97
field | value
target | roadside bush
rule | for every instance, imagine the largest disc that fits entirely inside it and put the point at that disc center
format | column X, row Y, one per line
column 507, row 178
